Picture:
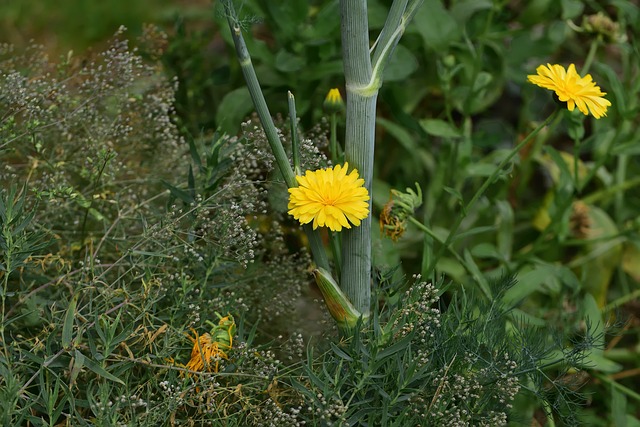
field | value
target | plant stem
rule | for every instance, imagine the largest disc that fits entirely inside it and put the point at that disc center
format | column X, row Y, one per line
column 591, row 55
column 620, row 387
column 359, row 146
column 333, row 141
column 317, row 249
column 295, row 142
column 257, row 96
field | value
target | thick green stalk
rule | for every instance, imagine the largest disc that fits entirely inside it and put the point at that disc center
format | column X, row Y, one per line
column 363, row 79
column 359, row 146
column 317, row 248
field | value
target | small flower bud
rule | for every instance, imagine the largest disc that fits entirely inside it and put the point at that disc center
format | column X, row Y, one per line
column 333, row 103
column 338, row 304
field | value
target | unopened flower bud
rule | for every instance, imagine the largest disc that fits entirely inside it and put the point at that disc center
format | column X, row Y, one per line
column 338, row 304
column 333, row 103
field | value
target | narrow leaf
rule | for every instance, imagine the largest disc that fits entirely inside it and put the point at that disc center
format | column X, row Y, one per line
column 67, row 327
column 99, row 370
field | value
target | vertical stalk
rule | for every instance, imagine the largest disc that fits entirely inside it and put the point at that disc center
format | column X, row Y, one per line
column 295, row 142
column 333, row 141
column 249, row 73
column 359, row 146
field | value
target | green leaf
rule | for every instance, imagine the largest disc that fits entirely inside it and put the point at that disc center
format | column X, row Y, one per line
column 288, row 62
column 193, row 150
column 561, row 160
column 340, row 353
column 593, row 319
column 403, row 63
column 505, row 224
column 464, row 9
column 97, row 369
column 78, row 364
column 178, row 193
column 618, row 407
column 486, row 250
column 69, row 318
column 235, row 106
column 479, row 278
column 598, row 362
column 440, row 128
column 394, row 348
column 571, row 8
column 528, row 283
column 400, row 133
column 436, row 25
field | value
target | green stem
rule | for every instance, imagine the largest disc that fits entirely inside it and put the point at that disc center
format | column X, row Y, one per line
column 591, row 55
column 295, row 142
column 359, row 146
column 576, row 162
column 335, row 241
column 400, row 14
column 315, row 242
column 333, row 141
column 257, row 96
column 427, row 246
column 433, row 237
column 485, row 185
column 620, row 387
column 622, row 300
column 613, row 190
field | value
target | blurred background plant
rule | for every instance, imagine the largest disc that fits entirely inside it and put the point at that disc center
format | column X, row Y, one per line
column 144, row 201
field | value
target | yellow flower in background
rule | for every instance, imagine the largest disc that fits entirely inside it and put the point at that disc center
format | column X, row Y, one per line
column 572, row 89
column 330, row 198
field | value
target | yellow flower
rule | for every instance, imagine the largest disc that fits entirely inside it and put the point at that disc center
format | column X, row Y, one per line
column 330, row 198
column 572, row 89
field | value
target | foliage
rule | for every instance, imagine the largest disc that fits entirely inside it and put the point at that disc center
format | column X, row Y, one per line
column 138, row 201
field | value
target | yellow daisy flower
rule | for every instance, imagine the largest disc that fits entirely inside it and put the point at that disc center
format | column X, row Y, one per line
column 330, row 198
column 572, row 89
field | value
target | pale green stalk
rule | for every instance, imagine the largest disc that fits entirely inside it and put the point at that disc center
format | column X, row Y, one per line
column 317, row 249
column 363, row 80
column 362, row 93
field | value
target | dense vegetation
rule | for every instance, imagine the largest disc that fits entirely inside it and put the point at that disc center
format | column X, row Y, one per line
column 151, row 273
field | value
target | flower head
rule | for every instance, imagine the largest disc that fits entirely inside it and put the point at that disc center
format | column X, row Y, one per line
column 572, row 89
column 401, row 206
column 330, row 198
column 206, row 353
column 210, row 348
